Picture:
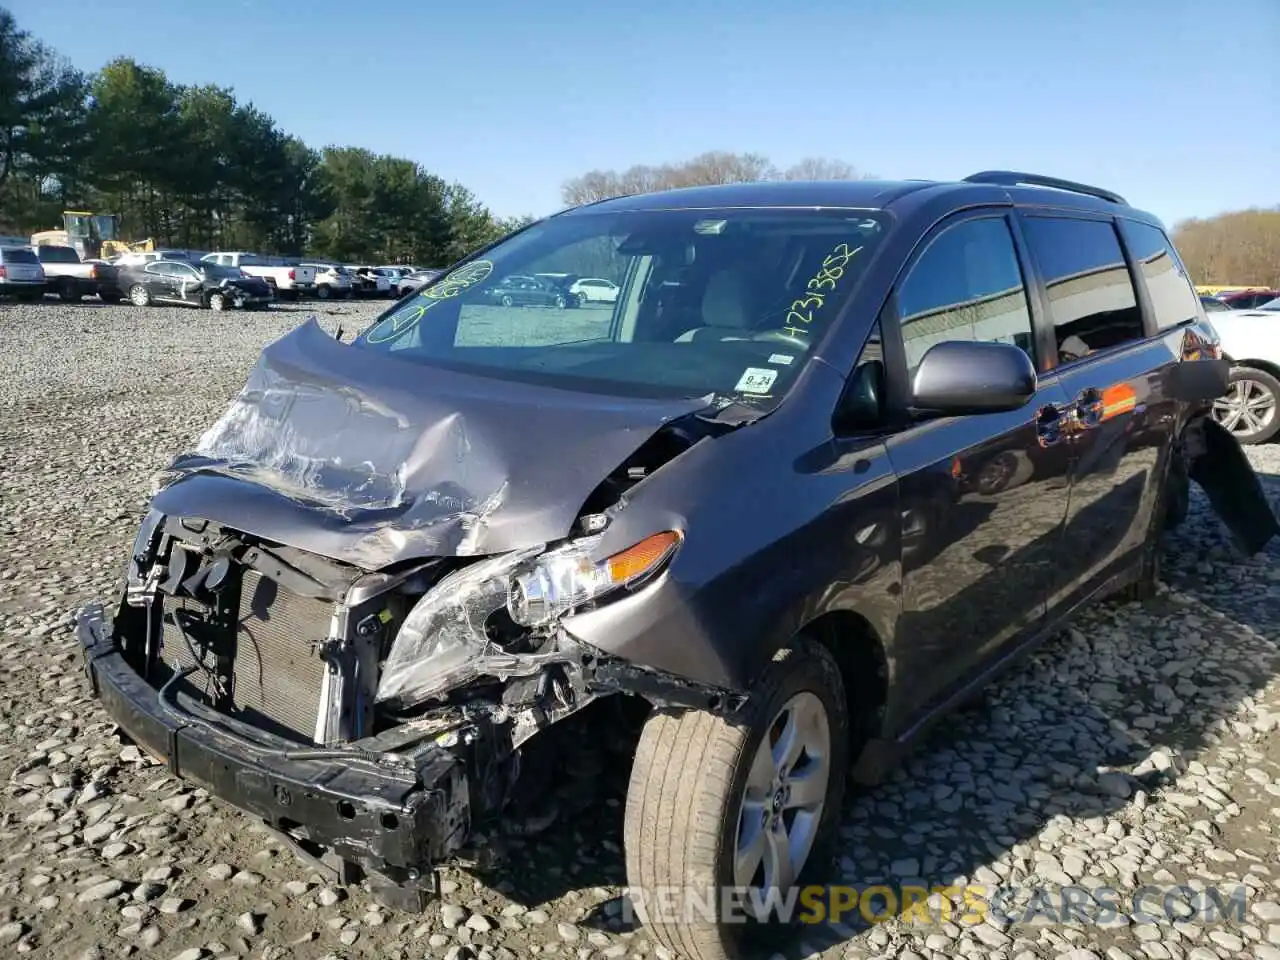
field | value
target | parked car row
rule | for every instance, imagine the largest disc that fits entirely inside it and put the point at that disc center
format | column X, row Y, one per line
column 1236, row 298
column 217, row 280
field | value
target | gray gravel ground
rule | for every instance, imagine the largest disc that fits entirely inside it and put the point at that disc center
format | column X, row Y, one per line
column 1138, row 748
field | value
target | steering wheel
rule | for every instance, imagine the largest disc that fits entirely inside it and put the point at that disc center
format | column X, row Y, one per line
column 781, row 336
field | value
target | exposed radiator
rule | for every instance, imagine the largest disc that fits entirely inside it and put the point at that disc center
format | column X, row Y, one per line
column 276, row 674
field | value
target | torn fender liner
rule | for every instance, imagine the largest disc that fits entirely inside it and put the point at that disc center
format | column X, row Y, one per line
column 366, row 458
column 1220, row 467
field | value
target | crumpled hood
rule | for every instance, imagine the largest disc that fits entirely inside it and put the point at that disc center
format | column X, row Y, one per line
column 363, row 457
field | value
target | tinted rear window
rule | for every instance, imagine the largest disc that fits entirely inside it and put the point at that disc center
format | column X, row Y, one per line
column 58, row 255
column 1173, row 297
column 1091, row 297
column 20, row 255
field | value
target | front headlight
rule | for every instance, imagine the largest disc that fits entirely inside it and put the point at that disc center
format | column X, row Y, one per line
column 444, row 634
column 568, row 577
column 444, row 641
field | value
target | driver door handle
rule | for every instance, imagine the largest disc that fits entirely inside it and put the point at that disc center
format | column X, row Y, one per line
column 1051, row 422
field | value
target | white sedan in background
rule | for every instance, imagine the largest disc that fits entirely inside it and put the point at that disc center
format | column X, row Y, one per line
column 1251, row 339
column 595, row 290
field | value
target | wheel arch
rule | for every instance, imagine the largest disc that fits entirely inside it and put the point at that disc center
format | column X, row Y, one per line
column 1266, row 365
column 865, row 666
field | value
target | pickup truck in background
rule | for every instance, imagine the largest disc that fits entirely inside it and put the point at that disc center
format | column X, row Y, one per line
column 70, row 278
column 287, row 281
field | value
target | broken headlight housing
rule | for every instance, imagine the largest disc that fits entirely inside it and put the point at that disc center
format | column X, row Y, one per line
column 564, row 579
column 444, row 641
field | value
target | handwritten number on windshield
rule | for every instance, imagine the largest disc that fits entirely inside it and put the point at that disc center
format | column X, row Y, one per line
column 800, row 316
column 406, row 317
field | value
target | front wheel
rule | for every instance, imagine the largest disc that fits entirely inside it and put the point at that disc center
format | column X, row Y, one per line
column 217, row 301
column 322, row 291
column 751, row 805
column 506, row 300
column 139, row 296
column 1249, row 407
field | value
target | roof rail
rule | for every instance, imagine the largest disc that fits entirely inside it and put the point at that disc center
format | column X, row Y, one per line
column 1013, row 178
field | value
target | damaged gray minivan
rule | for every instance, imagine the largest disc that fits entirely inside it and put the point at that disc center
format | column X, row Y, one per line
column 833, row 455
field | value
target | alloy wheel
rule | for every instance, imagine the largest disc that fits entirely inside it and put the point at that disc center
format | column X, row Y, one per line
column 783, row 798
column 1247, row 408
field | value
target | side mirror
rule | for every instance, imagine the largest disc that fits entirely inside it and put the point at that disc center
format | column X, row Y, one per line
column 958, row 377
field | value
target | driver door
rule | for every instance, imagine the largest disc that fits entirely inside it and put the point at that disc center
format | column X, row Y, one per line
column 982, row 498
column 187, row 281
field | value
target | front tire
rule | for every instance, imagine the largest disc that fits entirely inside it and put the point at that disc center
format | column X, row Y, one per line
column 139, row 296
column 714, row 805
column 217, row 302
column 322, row 291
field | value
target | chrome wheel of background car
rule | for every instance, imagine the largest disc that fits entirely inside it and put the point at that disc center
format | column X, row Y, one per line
column 784, row 797
column 506, row 300
column 1248, row 408
column 139, row 296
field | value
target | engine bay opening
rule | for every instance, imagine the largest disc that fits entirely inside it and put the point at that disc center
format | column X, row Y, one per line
column 668, row 443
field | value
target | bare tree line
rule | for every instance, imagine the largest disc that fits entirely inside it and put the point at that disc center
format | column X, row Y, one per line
column 714, row 166
column 1242, row 247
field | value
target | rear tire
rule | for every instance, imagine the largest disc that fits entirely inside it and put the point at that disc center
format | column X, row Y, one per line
column 322, row 291
column 702, row 790
column 68, row 292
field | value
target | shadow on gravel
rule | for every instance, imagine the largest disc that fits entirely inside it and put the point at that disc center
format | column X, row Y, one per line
column 1112, row 707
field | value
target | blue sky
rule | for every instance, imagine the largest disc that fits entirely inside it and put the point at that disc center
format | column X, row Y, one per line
column 1174, row 104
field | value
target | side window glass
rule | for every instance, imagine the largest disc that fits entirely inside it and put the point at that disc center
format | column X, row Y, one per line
column 1091, row 298
column 967, row 285
column 1173, row 297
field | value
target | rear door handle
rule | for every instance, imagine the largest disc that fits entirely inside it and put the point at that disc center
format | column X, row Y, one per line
column 1088, row 408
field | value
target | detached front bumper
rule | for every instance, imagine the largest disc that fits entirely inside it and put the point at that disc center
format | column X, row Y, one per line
column 394, row 816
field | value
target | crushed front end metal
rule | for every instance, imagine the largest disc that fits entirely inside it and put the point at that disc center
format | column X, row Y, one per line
column 371, row 718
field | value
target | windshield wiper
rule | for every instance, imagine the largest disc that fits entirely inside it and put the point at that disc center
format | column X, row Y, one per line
column 724, row 408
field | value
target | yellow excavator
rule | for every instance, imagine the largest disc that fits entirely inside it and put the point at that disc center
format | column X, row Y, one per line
column 94, row 236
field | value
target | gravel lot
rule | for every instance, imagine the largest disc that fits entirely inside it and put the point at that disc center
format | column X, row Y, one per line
column 1138, row 748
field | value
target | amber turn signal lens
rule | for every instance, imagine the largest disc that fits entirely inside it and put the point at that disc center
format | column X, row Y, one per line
column 643, row 557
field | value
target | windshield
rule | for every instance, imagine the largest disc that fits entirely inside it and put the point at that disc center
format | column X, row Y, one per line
column 728, row 302
column 218, row 271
